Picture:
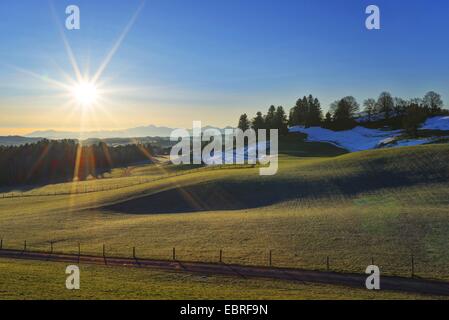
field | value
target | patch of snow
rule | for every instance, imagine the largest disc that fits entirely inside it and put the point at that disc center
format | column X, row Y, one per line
column 387, row 141
column 220, row 157
column 361, row 138
column 356, row 139
column 393, row 142
column 436, row 123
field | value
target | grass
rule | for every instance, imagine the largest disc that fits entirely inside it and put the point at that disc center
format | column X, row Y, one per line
column 130, row 176
column 382, row 204
column 300, row 234
column 44, row 280
column 116, row 179
column 311, row 209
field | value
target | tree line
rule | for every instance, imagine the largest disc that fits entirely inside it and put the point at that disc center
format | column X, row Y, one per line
column 64, row 160
column 345, row 113
column 275, row 118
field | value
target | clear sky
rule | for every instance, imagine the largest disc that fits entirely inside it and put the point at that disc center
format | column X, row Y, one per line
column 211, row 60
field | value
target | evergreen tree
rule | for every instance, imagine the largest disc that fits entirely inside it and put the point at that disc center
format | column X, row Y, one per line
column 65, row 160
column 243, row 122
column 291, row 117
column 280, row 120
column 258, row 121
column 270, row 118
column 298, row 113
column 306, row 112
column 314, row 113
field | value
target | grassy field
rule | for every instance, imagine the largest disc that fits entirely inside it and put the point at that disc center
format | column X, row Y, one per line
column 120, row 178
column 43, row 280
column 382, row 204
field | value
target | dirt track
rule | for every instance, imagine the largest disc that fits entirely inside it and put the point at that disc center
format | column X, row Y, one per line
column 418, row 286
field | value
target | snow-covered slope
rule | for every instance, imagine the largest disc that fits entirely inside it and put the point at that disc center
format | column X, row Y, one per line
column 361, row 138
column 242, row 153
column 437, row 123
column 357, row 139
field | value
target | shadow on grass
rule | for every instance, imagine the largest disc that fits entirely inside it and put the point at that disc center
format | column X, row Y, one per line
column 234, row 195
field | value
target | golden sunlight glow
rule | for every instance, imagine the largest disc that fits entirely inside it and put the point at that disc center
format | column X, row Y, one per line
column 85, row 93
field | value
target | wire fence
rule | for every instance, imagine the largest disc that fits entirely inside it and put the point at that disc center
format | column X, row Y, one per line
column 392, row 264
column 140, row 181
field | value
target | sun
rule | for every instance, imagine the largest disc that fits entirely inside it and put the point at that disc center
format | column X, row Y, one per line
column 85, row 93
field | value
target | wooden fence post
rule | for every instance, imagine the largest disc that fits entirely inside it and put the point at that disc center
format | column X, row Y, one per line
column 221, row 256
column 174, row 254
column 270, row 259
column 327, row 264
column 104, row 254
column 25, row 245
column 1, row 244
column 134, row 253
column 51, row 247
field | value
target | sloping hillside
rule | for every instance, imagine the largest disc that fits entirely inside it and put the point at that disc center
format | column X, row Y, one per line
column 341, row 177
column 384, row 203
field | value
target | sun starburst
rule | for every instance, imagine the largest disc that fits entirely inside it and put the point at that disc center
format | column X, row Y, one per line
column 85, row 93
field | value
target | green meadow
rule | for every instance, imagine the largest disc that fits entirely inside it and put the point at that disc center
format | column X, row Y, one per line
column 46, row 280
column 386, row 205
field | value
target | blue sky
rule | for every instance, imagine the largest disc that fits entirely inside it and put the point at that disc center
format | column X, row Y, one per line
column 213, row 60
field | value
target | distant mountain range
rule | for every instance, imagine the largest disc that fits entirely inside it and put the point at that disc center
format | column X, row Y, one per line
column 144, row 131
column 138, row 132
column 17, row 140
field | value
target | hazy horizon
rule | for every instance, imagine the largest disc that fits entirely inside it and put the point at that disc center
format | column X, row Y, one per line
column 32, row 132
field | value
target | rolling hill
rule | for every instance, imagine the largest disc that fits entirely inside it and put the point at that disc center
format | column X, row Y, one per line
column 386, row 204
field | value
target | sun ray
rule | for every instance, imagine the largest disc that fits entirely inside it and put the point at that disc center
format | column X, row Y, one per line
column 67, row 46
column 85, row 94
column 39, row 77
column 117, row 44
column 39, row 161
